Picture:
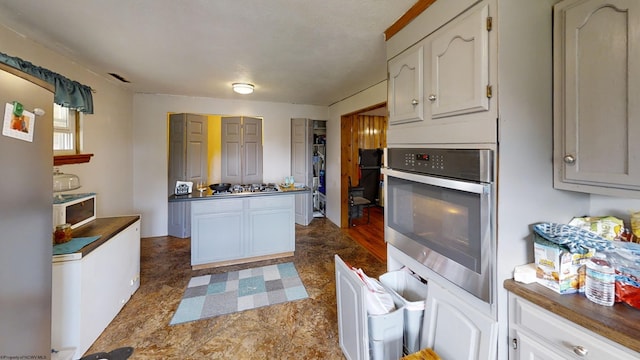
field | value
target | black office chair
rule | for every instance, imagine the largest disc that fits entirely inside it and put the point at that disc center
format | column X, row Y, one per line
column 357, row 203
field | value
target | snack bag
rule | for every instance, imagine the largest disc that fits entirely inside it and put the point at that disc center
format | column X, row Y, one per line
column 635, row 223
column 608, row 227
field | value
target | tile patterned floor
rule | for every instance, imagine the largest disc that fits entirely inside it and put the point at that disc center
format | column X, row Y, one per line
column 303, row 329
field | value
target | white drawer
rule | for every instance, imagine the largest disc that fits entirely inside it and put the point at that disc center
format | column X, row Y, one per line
column 272, row 202
column 564, row 334
column 216, row 206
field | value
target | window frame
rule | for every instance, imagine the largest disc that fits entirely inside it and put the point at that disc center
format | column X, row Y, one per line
column 75, row 156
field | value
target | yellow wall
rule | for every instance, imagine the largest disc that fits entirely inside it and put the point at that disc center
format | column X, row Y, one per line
column 215, row 149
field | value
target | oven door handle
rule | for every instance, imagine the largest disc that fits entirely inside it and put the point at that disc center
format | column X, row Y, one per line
column 472, row 187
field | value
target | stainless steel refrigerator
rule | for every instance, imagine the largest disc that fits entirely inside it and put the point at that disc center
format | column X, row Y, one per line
column 26, row 164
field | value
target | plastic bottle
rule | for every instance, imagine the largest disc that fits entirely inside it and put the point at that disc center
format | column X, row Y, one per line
column 600, row 282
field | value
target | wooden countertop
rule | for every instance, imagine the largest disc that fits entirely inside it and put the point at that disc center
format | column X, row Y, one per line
column 619, row 323
column 107, row 227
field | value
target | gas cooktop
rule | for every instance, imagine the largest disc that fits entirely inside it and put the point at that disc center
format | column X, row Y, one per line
column 247, row 188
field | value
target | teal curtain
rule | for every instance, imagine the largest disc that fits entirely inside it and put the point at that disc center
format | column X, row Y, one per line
column 68, row 93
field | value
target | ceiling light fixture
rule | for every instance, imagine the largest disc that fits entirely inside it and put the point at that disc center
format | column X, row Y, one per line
column 242, row 88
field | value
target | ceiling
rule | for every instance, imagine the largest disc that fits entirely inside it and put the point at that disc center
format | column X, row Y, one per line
column 313, row 52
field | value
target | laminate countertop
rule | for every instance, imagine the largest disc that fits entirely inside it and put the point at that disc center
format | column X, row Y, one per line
column 619, row 323
column 106, row 227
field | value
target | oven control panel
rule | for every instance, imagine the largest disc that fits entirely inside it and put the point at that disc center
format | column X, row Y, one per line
column 464, row 164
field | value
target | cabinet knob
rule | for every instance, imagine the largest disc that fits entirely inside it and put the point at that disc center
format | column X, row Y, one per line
column 414, row 102
column 569, row 159
column 580, row 351
column 432, row 97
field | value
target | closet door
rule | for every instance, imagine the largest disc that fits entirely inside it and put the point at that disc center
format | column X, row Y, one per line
column 252, row 151
column 196, row 148
column 301, row 166
column 188, row 143
column 241, row 150
column 232, row 150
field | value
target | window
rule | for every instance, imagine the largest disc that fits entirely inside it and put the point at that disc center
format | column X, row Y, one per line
column 66, row 130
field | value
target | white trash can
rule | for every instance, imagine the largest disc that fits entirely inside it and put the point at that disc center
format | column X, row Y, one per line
column 386, row 334
column 410, row 294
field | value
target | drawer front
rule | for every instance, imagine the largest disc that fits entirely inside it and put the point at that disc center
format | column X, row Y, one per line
column 272, row 202
column 564, row 334
column 216, row 206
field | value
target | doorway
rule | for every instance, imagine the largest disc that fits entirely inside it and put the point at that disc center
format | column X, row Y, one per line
column 362, row 129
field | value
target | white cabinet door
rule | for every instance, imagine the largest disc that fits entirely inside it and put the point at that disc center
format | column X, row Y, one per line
column 217, row 231
column 271, row 225
column 596, row 86
column 455, row 330
column 353, row 326
column 406, row 87
column 460, row 66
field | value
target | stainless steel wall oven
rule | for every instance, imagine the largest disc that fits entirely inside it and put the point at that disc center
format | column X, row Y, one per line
column 439, row 211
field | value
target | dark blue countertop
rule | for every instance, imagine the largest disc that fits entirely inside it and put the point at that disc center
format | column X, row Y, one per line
column 208, row 195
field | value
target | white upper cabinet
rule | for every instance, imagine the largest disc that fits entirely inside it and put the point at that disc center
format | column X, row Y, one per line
column 460, row 66
column 597, row 107
column 406, row 87
column 440, row 85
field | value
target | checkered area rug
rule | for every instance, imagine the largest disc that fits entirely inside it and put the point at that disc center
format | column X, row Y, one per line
column 218, row 294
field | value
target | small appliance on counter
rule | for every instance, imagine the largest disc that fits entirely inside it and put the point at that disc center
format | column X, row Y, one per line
column 74, row 209
column 183, row 187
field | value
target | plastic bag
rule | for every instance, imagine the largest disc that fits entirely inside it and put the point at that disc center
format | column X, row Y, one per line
column 608, row 227
column 379, row 301
column 626, row 261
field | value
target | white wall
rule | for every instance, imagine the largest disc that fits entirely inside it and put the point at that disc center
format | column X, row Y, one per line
column 150, row 144
column 128, row 170
column 371, row 96
column 107, row 133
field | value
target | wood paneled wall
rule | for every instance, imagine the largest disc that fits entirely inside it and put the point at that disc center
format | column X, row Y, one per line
column 358, row 132
column 368, row 132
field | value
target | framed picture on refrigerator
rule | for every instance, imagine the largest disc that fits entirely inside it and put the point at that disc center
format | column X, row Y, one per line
column 18, row 123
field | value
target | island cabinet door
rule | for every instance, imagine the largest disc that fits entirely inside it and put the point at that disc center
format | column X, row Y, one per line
column 271, row 225
column 217, row 232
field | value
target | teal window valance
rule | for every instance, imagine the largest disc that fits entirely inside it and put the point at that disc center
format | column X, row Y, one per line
column 68, row 93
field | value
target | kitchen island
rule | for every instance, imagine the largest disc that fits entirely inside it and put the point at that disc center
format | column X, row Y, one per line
column 241, row 227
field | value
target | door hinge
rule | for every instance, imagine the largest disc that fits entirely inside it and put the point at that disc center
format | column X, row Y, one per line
column 489, row 91
column 514, row 344
column 489, row 23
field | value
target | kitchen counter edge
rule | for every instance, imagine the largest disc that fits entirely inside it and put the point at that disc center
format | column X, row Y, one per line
column 619, row 323
column 106, row 227
column 195, row 196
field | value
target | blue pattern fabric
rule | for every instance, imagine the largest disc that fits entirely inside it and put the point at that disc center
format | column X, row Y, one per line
column 576, row 239
column 68, row 93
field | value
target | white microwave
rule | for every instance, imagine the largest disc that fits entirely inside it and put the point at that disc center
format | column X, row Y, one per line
column 74, row 209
